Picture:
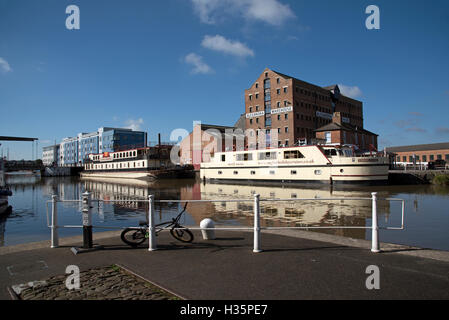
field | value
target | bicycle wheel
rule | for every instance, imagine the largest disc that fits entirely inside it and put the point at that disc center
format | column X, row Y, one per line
column 133, row 237
column 183, row 235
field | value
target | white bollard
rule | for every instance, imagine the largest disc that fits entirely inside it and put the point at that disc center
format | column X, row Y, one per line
column 152, row 246
column 207, row 224
column 374, row 227
column 54, row 222
column 257, row 224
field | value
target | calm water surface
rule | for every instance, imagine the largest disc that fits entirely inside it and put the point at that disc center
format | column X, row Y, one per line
column 426, row 210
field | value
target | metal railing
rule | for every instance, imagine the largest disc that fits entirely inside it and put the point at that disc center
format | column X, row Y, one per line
column 152, row 245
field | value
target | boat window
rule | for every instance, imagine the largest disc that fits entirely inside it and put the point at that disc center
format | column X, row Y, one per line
column 272, row 172
column 330, row 152
column 220, row 172
column 293, row 154
column 245, row 157
column 223, row 158
column 293, row 172
column 267, row 155
column 253, row 172
column 236, row 172
column 318, row 172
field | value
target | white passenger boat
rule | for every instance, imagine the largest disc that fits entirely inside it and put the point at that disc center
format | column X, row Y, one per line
column 143, row 163
column 314, row 163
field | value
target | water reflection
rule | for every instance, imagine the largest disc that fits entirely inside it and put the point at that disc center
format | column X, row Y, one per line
column 427, row 219
column 286, row 213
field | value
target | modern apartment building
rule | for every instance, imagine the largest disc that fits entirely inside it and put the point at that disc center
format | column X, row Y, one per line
column 50, row 155
column 75, row 150
column 295, row 108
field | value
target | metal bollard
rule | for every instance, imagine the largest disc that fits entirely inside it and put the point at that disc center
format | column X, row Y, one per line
column 257, row 224
column 152, row 246
column 207, row 224
column 374, row 227
column 54, row 222
column 87, row 221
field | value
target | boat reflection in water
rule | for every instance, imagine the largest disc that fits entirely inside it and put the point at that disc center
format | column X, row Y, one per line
column 287, row 213
column 123, row 193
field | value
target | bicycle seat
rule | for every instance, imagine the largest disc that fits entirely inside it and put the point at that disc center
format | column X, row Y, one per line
column 143, row 223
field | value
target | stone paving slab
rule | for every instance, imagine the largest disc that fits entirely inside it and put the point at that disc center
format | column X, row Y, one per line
column 103, row 283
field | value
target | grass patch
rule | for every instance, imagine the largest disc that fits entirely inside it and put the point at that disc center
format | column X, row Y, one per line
column 441, row 180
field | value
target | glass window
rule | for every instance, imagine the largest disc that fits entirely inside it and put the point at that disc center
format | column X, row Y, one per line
column 439, row 157
column 267, row 83
column 244, row 157
column 432, row 157
column 268, row 122
column 285, row 90
column 424, row 158
column 267, row 155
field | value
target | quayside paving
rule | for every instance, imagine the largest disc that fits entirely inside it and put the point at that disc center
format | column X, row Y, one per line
column 295, row 265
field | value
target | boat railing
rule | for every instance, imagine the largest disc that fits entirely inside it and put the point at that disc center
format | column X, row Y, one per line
column 87, row 225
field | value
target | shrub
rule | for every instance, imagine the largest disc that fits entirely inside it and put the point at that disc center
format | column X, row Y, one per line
column 441, row 179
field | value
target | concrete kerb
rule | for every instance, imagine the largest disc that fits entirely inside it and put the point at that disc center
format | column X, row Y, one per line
column 386, row 248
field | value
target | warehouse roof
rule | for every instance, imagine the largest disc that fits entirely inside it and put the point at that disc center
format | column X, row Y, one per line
column 419, row 147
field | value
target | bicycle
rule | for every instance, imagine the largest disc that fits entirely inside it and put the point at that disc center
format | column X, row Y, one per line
column 136, row 236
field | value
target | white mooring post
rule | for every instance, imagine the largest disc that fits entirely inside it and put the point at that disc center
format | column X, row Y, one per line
column 54, row 222
column 374, row 227
column 257, row 224
column 152, row 246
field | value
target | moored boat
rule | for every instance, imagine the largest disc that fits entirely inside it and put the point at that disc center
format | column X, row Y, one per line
column 142, row 163
column 313, row 163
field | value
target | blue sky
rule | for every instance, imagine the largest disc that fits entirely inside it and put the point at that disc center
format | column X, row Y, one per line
column 159, row 65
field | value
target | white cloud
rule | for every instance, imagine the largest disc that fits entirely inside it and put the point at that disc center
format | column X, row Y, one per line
column 204, row 9
column 221, row 44
column 269, row 11
column 4, row 65
column 351, row 92
column 134, row 124
column 197, row 62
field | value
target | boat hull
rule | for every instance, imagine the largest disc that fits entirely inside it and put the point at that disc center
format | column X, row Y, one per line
column 146, row 176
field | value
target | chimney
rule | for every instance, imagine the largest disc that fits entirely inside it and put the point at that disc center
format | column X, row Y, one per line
column 336, row 118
